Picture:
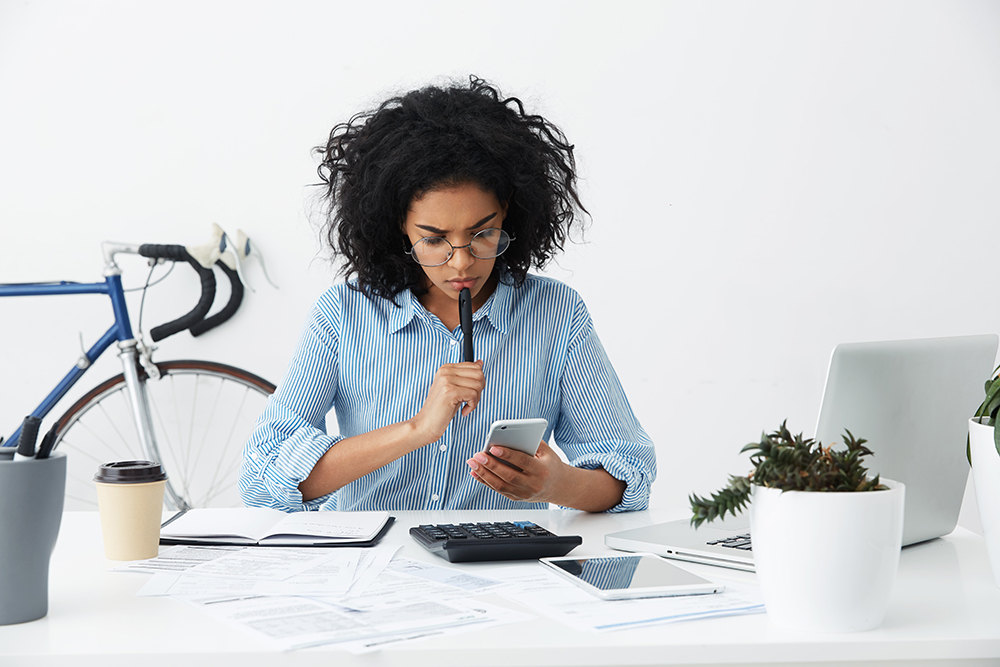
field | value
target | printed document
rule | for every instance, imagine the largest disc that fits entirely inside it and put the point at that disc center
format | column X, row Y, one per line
column 288, row 623
column 258, row 564
column 332, row 577
column 547, row 594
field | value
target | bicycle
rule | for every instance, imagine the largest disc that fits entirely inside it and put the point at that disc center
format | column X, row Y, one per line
column 158, row 410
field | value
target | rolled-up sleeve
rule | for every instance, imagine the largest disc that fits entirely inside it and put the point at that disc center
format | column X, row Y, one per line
column 596, row 427
column 290, row 435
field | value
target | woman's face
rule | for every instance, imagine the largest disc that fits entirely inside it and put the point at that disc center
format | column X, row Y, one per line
column 456, row 213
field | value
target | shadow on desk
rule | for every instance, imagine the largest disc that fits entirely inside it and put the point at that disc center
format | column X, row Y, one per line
column 940, row 598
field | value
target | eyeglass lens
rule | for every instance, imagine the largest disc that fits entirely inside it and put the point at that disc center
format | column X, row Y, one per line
column 435, row 251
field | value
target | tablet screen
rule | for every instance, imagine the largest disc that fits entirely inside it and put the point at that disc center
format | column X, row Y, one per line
column 627, row 572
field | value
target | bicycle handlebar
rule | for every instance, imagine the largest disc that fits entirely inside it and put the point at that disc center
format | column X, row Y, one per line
column 235, row 299
column 180, row 253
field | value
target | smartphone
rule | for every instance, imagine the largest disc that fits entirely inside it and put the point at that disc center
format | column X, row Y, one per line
column 524, row 435
column 642, row 575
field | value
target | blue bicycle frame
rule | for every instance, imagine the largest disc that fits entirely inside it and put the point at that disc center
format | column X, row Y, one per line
column 120, row 331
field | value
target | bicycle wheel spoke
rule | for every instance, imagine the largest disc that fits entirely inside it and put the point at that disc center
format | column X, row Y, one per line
column 166, row 441
column 84, row 451
column 190, row 440
column 176, row 405
column 114, row 426
column 201, row 415
column 205, row 433
column 226, row 444
column 163, row 443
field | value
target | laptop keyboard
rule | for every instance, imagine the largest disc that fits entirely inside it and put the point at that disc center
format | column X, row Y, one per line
column 735, row 542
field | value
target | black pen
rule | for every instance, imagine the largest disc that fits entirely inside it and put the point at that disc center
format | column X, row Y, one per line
column 48, row 442
column 29, row 435
column 465, row 313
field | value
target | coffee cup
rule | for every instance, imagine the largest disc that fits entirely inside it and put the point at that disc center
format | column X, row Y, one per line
column 130, row 500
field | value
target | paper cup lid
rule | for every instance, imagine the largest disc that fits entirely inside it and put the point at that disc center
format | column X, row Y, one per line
column 130, row 472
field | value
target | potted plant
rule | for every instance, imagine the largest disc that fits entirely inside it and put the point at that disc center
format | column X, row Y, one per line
column 826, row 537
column 984, row 454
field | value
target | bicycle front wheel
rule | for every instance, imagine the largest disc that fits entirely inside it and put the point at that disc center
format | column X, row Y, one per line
column 202, row 413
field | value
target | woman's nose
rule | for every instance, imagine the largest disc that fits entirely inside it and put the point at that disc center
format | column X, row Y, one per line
column 462, row 258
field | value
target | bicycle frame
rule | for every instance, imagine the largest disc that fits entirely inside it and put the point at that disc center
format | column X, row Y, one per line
column 120, row 331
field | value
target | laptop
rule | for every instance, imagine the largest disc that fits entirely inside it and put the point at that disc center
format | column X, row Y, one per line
column 911, row 400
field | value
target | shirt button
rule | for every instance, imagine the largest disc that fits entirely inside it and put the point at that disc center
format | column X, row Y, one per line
column 434, row 496
column 454, row 342
column 443, row 447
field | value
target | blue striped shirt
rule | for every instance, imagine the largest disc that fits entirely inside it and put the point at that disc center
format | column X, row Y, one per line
column 373, row 363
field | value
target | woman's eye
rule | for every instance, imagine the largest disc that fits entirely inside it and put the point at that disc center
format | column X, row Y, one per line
column 434, row 241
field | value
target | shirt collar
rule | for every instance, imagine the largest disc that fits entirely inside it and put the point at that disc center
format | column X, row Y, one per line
column 496, row 309
column 400, row 316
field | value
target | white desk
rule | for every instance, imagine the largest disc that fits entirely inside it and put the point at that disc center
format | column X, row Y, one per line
column 945, row 609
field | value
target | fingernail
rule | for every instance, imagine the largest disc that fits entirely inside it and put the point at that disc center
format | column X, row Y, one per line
column 479, row 456
column 496, row 451
column 473, row 464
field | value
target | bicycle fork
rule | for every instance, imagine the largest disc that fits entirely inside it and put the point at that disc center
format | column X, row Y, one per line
column 142, row 415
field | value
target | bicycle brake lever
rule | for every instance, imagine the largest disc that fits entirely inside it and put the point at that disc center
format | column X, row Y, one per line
column 228, row 249
column 248, row 249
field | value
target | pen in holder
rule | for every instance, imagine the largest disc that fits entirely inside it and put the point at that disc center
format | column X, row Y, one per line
column 31, row 505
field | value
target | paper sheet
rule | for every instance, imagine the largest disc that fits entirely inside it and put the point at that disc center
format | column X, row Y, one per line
column 289, row 623
column 264, row 563
column 373, row 562
column 332, row 577
column 445, row 575
column 177, row 559
column 549, row 595
column 252, row 563
column 392, row 589
column 496, row 617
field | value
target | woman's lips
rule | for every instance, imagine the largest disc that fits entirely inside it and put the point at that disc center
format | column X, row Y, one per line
column 459, row 285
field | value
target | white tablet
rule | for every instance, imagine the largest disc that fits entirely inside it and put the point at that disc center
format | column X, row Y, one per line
column 631, row 576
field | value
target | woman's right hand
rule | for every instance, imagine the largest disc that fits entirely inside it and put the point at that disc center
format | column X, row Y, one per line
column 454, row 384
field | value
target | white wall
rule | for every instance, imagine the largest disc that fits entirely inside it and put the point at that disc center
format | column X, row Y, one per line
column 766, row 179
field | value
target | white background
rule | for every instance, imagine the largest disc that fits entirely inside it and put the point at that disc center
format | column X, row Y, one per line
column 765, row 179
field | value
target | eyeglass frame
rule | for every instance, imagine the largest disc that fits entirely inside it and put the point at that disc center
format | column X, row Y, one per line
column 459, row 247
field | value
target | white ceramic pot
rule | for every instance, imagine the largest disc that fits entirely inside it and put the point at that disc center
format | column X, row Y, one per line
column 826, row 561
column 986, row 475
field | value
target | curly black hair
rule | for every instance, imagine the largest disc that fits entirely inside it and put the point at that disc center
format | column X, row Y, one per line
column 377, row 163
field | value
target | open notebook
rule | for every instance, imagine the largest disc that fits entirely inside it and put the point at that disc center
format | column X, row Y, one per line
column 263, row 526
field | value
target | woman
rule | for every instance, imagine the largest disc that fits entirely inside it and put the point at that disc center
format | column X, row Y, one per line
column 435, row 191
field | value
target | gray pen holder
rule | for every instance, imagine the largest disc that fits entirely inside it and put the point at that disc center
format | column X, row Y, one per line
column 31, row 504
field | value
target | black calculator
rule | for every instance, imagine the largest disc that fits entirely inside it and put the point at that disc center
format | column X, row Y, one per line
column 502, row 540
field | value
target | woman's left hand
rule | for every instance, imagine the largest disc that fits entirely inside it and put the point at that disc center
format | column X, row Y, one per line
column 545, row 478
column 536, row 478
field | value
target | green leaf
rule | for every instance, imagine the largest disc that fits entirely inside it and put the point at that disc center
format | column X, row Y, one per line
column 731, row 499
column 992, row 404
column 996, row 439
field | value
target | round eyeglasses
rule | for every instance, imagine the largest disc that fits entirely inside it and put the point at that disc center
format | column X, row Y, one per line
column 435, row 250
